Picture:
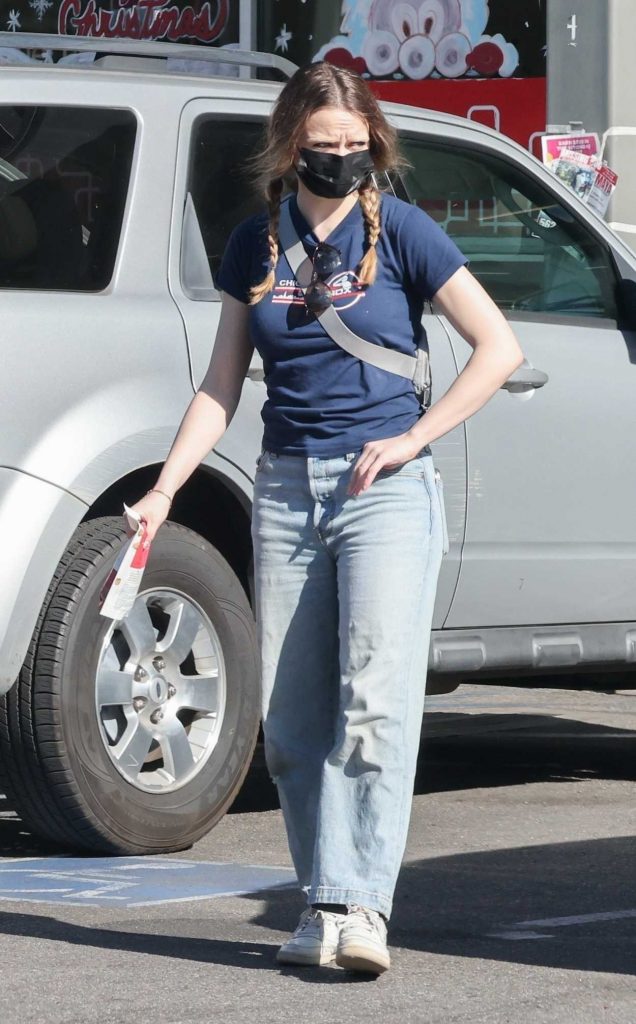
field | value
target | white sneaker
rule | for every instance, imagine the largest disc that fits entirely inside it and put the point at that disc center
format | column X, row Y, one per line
column 362, row 945
column 315, row 940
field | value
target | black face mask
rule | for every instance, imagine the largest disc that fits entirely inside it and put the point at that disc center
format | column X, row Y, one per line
column 333, row 176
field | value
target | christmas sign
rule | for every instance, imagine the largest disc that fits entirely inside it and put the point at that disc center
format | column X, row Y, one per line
column 198, row 21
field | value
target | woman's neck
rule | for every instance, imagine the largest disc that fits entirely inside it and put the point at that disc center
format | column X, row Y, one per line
column 323, row 215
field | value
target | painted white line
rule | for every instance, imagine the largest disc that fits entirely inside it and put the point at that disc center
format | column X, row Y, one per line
column 89, row 895
column 64, row 876
column 33, row 891
column 103, row 892
column 166, row 866
column 33, row 871
column 67, row 903
column 626, row 734
column 18, row 860
column 213, row 895
column 523, row 930
column 566, row 922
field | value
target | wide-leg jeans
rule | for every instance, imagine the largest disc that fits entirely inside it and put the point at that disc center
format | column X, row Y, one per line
column 345, row 587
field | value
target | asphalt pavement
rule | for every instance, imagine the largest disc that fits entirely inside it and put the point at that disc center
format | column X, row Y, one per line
column 516, row 901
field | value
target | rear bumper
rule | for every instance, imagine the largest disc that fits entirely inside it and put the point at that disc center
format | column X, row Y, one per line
column 37, row 520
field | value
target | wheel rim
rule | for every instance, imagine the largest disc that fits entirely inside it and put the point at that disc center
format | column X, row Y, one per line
column 160, row 691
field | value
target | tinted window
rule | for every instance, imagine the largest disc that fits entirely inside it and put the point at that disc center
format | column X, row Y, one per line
column 219, row 180
column 64, row 174
column 527, row 250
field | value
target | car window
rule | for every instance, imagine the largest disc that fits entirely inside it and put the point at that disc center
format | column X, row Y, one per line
column 64, row 174
column 219, row 181
column 531, row 253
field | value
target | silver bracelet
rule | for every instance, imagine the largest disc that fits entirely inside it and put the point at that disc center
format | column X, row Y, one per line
column 155, row 490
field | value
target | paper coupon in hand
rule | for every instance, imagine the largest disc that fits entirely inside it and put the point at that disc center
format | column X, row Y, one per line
column 118, row 594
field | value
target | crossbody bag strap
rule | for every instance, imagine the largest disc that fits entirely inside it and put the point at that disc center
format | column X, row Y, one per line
column 414, row 368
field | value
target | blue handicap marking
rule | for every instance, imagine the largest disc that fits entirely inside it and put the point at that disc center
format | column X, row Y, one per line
column 132, row 881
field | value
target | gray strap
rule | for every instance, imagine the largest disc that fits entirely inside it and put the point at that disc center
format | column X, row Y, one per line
column 384, row 358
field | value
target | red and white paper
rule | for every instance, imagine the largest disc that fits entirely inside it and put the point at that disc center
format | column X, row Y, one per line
column 601, row 191
column 120, row 590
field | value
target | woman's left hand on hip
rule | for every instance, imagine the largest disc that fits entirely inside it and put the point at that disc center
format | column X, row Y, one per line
column 385, row 454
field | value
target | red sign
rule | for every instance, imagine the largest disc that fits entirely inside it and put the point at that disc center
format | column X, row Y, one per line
column 144, row 19
column 514, row 106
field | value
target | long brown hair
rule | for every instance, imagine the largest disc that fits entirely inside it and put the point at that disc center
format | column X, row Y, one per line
column 309, row 89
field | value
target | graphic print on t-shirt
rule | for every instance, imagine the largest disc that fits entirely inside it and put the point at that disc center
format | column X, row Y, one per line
column 345, row 287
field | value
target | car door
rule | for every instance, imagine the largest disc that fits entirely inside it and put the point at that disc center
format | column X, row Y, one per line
column 551, row 496
column 213, row 193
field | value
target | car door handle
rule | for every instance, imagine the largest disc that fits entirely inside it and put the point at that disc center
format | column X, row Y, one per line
column 524, row 377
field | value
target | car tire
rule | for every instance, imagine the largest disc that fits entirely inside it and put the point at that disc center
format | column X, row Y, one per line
column 64, row 751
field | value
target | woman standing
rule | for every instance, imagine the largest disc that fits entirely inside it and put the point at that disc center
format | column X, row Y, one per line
column 348, row 523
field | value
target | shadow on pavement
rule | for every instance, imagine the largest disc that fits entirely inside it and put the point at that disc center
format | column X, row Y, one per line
column 521, row 749
column 202, row 950
column 566, row 905
column 484, row 751
column 259, row 956
column 523, row 906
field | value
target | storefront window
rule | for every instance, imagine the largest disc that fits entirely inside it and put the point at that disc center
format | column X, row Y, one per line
column 481, row 59
column 416, row 40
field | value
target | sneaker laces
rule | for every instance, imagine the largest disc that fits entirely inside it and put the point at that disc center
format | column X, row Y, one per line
column 314, row 915
column 372, row 917
column 306, row 918
column 365, row 912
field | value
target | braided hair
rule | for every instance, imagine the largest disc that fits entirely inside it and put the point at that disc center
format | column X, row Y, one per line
column 274, row 191
column 369, row 199
column 309, row 89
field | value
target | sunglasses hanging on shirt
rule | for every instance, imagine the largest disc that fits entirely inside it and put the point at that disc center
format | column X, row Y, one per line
column 326, row 259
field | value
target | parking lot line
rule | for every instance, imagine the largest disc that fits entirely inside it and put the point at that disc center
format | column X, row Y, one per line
column 522, row 930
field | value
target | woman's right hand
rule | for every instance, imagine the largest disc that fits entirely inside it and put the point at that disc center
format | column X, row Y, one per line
column 153, row 508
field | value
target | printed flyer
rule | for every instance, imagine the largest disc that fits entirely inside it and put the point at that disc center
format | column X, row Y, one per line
column 577, row 170
column 601, row 191
column 575, row 159
column 552, row 146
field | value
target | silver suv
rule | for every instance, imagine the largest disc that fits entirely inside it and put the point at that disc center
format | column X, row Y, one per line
column 120, row 180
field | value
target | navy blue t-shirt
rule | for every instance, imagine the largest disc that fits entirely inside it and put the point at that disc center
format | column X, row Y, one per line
column 321, row 401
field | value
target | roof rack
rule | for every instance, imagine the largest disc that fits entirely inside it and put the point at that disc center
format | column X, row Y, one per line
column 146, row 48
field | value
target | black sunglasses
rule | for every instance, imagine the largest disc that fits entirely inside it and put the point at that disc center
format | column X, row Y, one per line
column 325, row 261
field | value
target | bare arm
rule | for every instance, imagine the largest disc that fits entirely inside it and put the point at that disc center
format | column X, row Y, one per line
column 496, row 353
column 209, row 413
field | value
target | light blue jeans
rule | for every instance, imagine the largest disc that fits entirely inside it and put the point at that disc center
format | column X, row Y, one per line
column 345, row 588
